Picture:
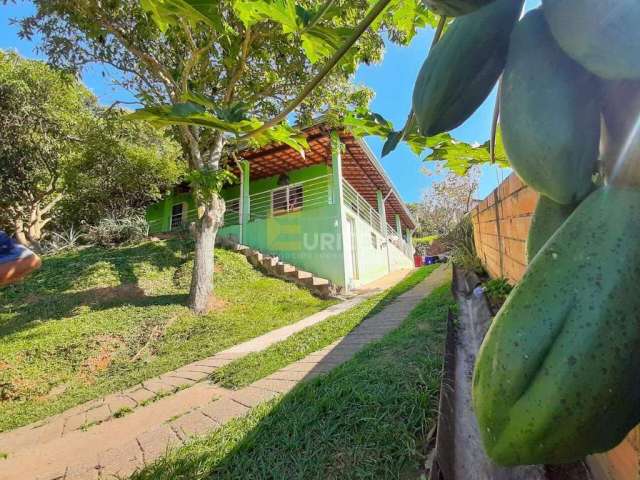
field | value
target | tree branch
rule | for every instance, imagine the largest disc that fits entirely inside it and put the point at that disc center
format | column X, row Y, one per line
column 333, row 61
column 246, row 44
column 51, row 204
column 192, row 144
column 145, row 58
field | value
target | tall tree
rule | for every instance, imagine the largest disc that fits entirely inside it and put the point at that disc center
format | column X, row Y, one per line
column 64, row 159
column 227, row 73
column 446, row 202
column 123, row 168
column 41, row 112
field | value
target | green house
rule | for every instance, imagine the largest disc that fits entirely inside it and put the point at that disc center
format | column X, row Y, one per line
column 332, row 211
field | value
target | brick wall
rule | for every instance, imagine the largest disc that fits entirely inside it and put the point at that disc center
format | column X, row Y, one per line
column 500, row 226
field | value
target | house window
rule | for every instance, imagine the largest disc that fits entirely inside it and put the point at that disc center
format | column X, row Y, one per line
column 287, row 199
column 374, row 240
column 177, row 216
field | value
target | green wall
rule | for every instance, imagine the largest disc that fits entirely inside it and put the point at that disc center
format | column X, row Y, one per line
column 159, row 214
column 310, row 239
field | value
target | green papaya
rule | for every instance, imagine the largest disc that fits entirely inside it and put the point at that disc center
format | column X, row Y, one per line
column 463, row 67
column 602, row 35
column 550, row 114
column 620, row 147
column 557, row 374
column 455, row 8
column 548, row 217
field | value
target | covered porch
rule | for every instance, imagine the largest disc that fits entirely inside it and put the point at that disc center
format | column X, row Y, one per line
column 320, row 210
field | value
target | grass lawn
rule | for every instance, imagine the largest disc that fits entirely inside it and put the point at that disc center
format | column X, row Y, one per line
column 95, row 321
column 257, row 365
column 366, row 419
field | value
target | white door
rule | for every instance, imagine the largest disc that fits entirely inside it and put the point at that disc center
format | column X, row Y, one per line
column 351, row 254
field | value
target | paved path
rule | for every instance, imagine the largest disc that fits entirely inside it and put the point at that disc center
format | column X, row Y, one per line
column 94, row 441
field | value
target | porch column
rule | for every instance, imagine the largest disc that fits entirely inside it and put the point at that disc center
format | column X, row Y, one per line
column 383, row 226
column 245, row 207
column 381, row 211
column 336, row 168
column 337, row 201
column 398, row 226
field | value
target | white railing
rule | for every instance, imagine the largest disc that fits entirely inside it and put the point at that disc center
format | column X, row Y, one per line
column 358, row 205
column 315, row 192
column 361, row 207
column 232, row 212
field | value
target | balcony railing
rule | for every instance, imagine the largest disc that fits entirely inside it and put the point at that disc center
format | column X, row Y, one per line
column 295, row 197
column 358, row 205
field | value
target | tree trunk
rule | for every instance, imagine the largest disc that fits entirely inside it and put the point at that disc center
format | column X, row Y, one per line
column 205, row 232
column 20, row 235
column 34, row 232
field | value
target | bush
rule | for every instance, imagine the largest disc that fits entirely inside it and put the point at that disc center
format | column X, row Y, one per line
column 462, row 247
column 118, row 230
column 497, row 290
column 65, row 240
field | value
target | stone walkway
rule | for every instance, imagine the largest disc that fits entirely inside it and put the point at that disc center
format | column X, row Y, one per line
column 114, row 436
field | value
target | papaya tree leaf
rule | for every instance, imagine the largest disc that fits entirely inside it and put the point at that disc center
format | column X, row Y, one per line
column 170, row 12
column 283, row 12
column 321, row 42
column 283, row 133
column 187, row 113
column 362, row 124
column 459, row 156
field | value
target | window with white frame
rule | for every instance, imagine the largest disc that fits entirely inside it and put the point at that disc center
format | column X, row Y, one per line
column 287, row 199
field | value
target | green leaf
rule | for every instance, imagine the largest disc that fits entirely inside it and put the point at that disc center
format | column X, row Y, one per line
column 187, row 113
column 283, row 12
column 207, row 183
column 362, row 124
column 283, row 133
column 460, row 156
column 231, row 120
column 167, row 13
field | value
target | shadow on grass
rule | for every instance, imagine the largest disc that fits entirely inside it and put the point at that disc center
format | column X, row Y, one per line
column 64, row 284
column 366, row 418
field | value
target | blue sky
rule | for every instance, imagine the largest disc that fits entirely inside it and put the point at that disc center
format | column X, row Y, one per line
column 392, row 81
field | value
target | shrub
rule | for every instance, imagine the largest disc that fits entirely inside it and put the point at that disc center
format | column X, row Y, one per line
column 497, row 290
column 462, row 247
column 64, row 240
column 113, row 230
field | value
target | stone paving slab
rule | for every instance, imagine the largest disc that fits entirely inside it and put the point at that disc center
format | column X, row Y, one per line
column 97, row 411
column 115, row 448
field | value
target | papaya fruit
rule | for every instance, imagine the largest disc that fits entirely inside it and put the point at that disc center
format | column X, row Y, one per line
column 620, row 147
column 455, row 8
column 547, row 219
column 602, row 35
column 556, row 377
column 550, row 114
column 462, row 68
